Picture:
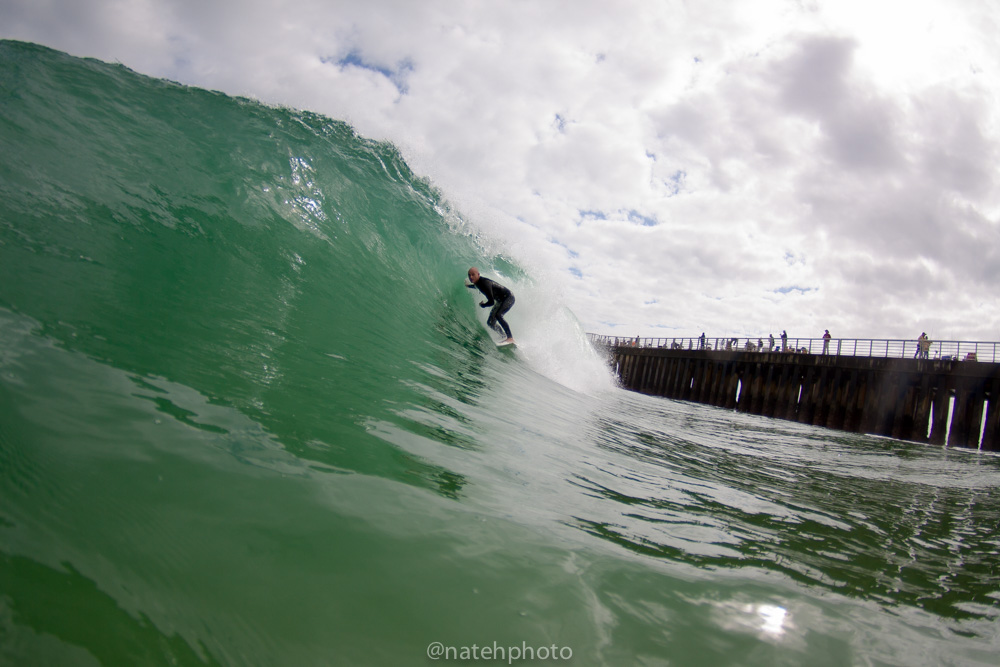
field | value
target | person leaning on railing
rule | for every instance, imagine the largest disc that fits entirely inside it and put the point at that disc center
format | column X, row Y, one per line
column 923, row 347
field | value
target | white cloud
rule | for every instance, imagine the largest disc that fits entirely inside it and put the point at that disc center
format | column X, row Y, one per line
column 770, row 165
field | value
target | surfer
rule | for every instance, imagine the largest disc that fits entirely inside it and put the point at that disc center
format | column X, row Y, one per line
column 497, row 296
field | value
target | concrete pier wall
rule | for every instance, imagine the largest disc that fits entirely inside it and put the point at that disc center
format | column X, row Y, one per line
column 908, row 399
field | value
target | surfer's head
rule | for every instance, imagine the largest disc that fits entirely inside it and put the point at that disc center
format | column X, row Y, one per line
column 473, row 274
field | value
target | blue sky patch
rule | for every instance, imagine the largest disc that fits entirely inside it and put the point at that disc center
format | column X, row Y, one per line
column 794, row 288
column 792, row 259
column 644, row 220
column 676, row 182
column 565, row 247
column 397, row 76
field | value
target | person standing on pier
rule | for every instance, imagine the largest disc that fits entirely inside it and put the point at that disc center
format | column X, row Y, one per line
column 826, row 342
column 784, row 341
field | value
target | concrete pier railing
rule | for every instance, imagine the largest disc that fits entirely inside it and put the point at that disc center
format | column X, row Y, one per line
column 940, row 399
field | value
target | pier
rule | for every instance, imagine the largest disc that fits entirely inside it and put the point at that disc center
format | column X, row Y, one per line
column 946, row 395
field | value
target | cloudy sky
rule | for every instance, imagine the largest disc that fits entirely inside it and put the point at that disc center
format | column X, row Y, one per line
column 736, row 167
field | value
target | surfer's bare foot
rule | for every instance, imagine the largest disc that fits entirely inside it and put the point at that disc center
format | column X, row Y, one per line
column 509, row 340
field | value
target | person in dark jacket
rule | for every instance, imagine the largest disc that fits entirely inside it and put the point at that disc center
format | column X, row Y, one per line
column 497, row 296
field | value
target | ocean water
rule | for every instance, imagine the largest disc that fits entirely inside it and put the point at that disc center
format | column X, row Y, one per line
column 250, row 415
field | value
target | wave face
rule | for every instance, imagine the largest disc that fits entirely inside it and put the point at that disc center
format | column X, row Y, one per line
column 249, row 414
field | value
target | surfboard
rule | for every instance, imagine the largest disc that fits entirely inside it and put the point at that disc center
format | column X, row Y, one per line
column 507, row 346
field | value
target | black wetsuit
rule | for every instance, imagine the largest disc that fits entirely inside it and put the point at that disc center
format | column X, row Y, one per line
column 500, row 298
